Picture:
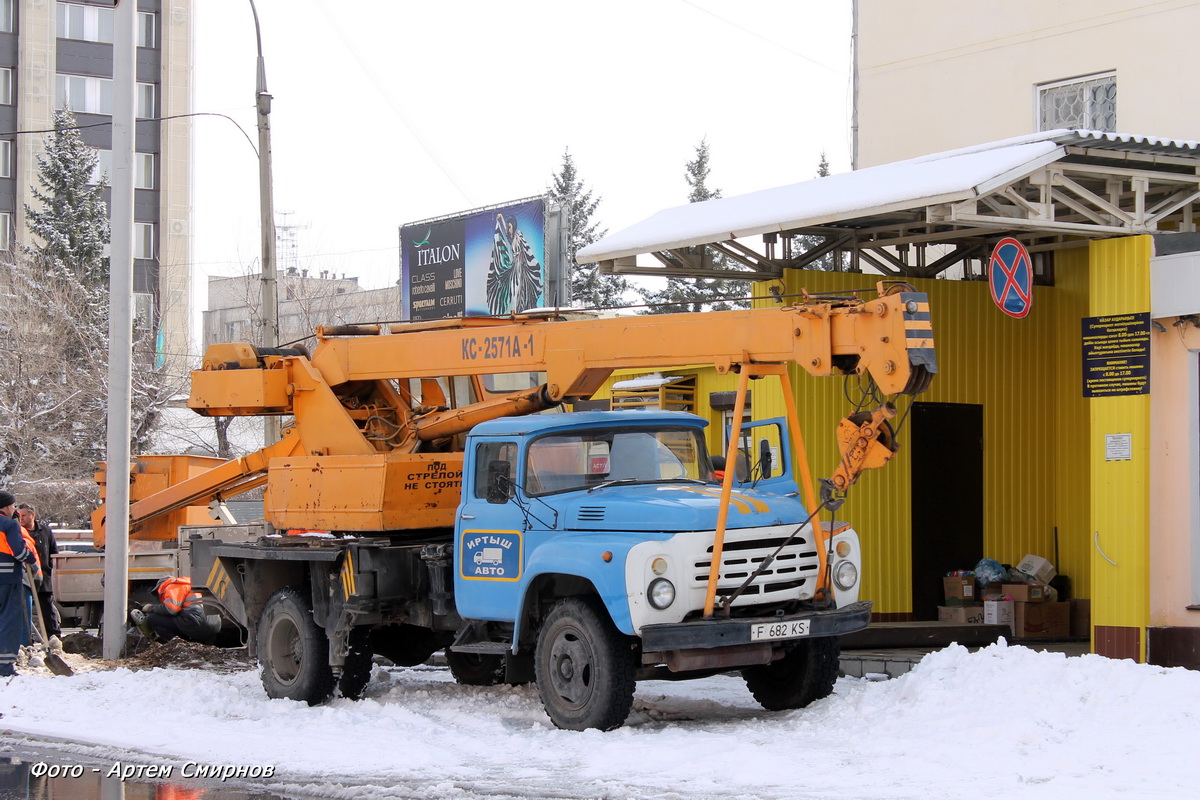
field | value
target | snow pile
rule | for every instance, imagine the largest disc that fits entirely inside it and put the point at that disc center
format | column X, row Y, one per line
column 1001, row 722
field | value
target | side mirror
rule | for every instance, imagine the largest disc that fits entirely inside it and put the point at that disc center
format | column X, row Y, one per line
column 499, row 487
column 764, row 458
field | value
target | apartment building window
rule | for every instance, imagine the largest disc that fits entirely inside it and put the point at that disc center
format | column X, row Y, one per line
column 145, row 101
column 1089, row 102
column 6, row 158
column 145, row 30
column 6, row 86
column 103, row 168
column 143, row 240
column 144, row 176
column 6, row 230
column 143, row 164
column 6, row 16
column 89, row 23
column 143, row 311
column 86, row 94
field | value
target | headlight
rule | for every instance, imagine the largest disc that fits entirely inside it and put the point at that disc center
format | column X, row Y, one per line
column 661, row 593
column 845, row 575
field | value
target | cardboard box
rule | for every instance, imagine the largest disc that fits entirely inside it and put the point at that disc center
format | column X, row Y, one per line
column 1081, row 618
column 963, row 615
column 1037, row 568
column 1042, row 621
column 1024, row 592
column 960, row 591
column 998, row 612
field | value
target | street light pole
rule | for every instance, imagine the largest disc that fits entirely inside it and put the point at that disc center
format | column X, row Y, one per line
column 270, row 287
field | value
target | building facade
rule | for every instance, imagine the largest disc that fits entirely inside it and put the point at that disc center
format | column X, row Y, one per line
column 305, row 301
column 60, row 55
column 933, row 76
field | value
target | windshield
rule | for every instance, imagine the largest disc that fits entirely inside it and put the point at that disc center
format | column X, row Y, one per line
column 586, row 459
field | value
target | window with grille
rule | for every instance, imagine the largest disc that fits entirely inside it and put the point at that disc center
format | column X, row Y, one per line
column 1088, row 103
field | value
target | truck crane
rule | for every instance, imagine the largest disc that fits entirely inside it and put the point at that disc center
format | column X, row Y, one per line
column 418, row 500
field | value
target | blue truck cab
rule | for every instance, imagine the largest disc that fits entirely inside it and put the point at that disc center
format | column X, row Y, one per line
column 586, row 541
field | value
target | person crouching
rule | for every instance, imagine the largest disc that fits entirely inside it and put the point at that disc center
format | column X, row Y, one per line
column 180, row 613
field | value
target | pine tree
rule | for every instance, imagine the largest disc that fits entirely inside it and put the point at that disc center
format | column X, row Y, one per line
column 830, row 262
column 699, row 294
column 70, row 218
column 589, row 288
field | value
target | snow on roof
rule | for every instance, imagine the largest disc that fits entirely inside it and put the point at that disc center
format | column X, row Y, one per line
column 927, row 180
column 648, row 382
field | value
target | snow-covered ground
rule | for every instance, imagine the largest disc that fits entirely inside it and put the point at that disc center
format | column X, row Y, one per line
column 1002, row 722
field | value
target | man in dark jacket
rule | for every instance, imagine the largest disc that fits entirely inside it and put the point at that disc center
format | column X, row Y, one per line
column 14, row 556
column 43, row 539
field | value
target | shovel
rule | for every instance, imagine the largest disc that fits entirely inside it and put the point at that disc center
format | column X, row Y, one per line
column 54, row 662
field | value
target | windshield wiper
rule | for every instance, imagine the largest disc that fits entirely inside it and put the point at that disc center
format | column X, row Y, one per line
column 644, row 480
column 612, row 483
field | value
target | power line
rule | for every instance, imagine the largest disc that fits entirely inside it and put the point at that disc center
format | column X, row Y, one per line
column 757, row 35
column 144, row 119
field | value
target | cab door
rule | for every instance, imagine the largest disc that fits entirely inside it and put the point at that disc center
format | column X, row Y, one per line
column 765, row 456
column 489, row 543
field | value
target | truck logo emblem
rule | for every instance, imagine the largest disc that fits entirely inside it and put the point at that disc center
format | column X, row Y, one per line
column 490, row 555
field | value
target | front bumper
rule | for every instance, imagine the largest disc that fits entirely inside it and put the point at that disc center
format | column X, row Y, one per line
column 721, row 632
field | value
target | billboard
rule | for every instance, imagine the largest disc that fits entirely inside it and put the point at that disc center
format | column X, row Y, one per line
column 491, row 261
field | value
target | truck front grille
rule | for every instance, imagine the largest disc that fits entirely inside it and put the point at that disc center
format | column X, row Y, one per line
column 744, row 550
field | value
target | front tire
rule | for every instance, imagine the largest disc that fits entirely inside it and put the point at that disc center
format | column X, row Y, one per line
column 293, row 650
column 803, row 676
column 584, row 667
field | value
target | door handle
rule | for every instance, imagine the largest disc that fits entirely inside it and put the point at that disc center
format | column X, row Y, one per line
column 466, row 516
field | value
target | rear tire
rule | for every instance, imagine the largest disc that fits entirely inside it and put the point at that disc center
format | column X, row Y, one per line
column 475, row 669
column 293, row 650
column 803, row 676
column 585, row 667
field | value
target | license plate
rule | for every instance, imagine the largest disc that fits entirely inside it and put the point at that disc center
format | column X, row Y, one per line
column 792, row 629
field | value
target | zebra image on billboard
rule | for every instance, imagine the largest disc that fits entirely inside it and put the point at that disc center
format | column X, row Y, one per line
column 486, row 262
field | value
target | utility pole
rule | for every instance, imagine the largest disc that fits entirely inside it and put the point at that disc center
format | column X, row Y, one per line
column 266, row 200
column 120, row 335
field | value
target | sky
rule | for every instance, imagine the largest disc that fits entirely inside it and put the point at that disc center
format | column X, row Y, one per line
column 1005, row 722
column 402, row 111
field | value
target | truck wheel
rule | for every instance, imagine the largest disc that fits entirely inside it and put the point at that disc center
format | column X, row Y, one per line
column 803, row 676
column 475, row 669
column 356, row 672
column 293, row 650
column 584, row 667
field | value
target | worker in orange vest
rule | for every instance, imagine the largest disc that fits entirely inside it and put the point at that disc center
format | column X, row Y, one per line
column 31, row 590
column 179, row 612
column 14, row 555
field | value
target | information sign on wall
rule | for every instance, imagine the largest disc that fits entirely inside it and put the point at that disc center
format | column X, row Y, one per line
column 1116, row 355
column 487, row 262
